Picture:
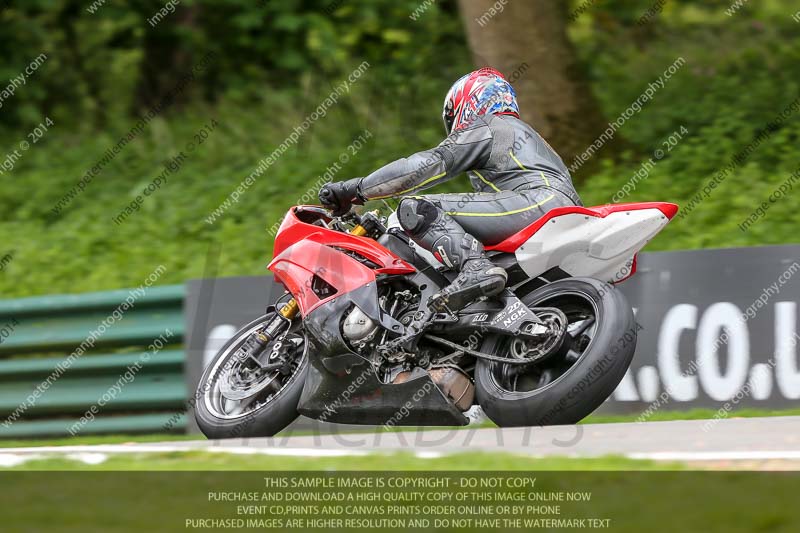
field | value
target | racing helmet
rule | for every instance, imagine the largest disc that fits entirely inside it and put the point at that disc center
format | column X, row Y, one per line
column 483, row 91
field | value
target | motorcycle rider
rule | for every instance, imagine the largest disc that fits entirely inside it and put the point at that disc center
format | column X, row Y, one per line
column 516, row 176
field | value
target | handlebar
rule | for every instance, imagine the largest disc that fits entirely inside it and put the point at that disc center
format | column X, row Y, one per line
column 368, row 224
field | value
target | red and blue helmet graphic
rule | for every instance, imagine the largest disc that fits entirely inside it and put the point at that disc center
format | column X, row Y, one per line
column 481, row 92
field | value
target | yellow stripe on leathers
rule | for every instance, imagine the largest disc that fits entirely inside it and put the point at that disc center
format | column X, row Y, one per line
column 522, row 167
column 487, row 182
column 514, row 212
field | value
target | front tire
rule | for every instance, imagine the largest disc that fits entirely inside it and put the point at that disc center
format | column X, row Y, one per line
column 569, row 386
column 262, row 415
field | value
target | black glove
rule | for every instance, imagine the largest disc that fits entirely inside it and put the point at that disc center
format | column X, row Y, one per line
column 340, row 196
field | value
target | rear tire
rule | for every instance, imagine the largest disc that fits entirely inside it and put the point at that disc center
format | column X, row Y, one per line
column 584, row 379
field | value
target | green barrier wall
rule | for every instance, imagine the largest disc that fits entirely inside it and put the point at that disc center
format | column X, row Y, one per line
column 37, row 334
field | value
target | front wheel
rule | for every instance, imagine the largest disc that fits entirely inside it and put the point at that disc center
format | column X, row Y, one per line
column 563, row 389
column 237, row 397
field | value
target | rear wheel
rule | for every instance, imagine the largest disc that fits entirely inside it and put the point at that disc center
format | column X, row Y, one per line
column 237, row 397
column 597, row 350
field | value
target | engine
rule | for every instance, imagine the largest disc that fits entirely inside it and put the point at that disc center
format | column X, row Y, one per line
column 362, row 332
column 363, row 335
column 358, row 327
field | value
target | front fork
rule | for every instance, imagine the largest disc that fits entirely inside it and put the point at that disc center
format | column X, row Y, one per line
column 277, row 325
column 283, row 319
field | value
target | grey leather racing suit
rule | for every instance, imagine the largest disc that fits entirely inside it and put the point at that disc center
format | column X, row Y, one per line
column 516, row 176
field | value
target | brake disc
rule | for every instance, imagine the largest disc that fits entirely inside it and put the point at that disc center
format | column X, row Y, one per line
column 242, row 381
column 538, row 351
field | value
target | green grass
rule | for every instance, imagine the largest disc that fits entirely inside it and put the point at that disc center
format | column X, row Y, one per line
column 198, row 460
column 636, row 495
column 635, row 501
column 693, row 414
column 97, row 439
column 659, row 416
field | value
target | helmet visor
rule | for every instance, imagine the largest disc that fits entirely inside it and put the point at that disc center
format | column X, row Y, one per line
column 448, row 116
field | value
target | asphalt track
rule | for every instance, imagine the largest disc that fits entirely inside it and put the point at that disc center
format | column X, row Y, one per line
column 755, row 441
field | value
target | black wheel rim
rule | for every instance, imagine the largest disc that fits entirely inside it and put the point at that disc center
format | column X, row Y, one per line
column 581, row 313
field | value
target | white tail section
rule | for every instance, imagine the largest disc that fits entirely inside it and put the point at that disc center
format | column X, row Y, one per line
column 583, row 245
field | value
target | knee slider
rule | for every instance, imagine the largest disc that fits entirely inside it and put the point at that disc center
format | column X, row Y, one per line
column 416, row 214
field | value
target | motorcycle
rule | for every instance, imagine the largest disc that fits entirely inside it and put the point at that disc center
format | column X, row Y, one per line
column 353, row 340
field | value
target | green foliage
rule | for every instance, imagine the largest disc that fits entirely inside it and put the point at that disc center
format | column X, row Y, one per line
column 274, row 62
column 741, row 72
column 104, row 62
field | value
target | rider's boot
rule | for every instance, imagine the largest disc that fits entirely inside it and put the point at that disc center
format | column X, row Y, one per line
column 478, row 277
column 437, row 232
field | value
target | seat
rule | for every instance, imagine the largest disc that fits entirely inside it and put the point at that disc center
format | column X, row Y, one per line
column 513, row 242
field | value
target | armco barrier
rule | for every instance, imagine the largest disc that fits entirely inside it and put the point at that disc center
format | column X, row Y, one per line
column 41, row 332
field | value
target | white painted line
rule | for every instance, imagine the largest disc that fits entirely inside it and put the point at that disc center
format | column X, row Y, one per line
column 9, row 460
column 429, row 455
column 296, row 452
column 88, row 458
column 88, row 453
column 718, row 456
column 97, row 448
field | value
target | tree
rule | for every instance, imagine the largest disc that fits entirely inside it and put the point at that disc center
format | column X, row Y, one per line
column 527, row 41
column 166, row 55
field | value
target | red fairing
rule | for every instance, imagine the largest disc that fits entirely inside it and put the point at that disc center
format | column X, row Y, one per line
column 296, row 267
column 511, row 244
column 303, row 250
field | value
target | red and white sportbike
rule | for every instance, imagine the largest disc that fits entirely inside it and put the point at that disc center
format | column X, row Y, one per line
column 338, row 347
